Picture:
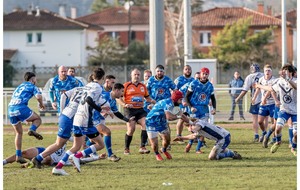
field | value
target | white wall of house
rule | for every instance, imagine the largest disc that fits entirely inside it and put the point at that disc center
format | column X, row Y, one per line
column 58, row 47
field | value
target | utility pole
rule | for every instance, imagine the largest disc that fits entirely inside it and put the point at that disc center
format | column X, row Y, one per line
column 283, row 33
column 157, row 33
column 188, row 51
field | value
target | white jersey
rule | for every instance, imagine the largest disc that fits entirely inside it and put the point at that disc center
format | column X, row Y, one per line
column 262, row 81
column 84, row 114
column 249, row 81
column 287, row 95
column 74, row 95
column 58, row 155
column 210, row 131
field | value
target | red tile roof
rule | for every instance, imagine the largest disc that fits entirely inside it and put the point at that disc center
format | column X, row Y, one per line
column 21, row 20
column 118, row 16
column 291, row 16
column 219, row 17
column 8, row 54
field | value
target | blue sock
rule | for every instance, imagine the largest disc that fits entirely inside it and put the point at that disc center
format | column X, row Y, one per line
column 88, row 151
column 256, row 136
column 164, row 150
column 33, row 128
column 107, row 143
column 264, row 133
column 294, row 145
column 227, row 154
column 18, row 153
column 291, row 135
column 39, row 158
column 191, row 142
column 274, row 139
column 269, row 133
column 278, row 138
column 66, row 156
column 199, row 145
column 89, row 142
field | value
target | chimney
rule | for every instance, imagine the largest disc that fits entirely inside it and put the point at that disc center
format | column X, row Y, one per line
column 260, row 6
column 62, row 10
column 269, row 10
column 29, row 11
column 37, row 11
column 73, row 12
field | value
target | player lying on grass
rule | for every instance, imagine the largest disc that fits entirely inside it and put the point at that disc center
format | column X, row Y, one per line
column 34, row 151
column 212, row 132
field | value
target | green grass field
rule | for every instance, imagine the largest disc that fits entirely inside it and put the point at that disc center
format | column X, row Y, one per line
column 259, row 169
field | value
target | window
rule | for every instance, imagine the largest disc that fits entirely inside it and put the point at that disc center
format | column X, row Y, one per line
column 205, row 38
column 38, row 38
column 114, row 35
column 29, row 38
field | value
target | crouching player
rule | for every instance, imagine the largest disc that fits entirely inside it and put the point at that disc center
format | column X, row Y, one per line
column 212, row 132
column 157, row 122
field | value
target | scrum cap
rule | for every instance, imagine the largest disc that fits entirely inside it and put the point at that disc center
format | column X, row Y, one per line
column 204, row 70
column 176, row 95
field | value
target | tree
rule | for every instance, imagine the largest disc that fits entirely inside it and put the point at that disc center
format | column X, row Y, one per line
column 174, row 25
column 108, row 51
column 99, row 5
column 138, row 53
column 235, row 45
column 8, row 75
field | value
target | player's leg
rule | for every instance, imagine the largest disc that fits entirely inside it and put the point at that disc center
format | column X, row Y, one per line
column 166, row 138
column 141, row 116
column 153, row 138
column 36, row 122
column 18, row 142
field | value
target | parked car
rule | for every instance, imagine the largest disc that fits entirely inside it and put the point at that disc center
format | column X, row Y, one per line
column 46, row 97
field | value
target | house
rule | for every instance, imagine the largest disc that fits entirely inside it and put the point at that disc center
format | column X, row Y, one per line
column 42, row 38
column 291, row 16
column 208, row 23
column 132, row 24
column 118, row 22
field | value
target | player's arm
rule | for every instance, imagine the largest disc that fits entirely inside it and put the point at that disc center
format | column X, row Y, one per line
column 242, row 94
column 293, row 84
column 257, row 91
column 39, row 98
column 121, row 116
column 214, row 103
column 90, row 101
column 188, row 97
column 150, row 100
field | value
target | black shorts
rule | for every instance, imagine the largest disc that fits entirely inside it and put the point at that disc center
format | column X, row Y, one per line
column 137, row 112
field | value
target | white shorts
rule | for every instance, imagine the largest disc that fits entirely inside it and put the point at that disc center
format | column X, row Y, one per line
column 154, row 134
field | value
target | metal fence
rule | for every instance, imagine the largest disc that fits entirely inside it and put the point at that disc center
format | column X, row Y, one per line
column 222, row 115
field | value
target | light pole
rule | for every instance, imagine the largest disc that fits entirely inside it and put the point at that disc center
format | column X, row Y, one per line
column 127, row 6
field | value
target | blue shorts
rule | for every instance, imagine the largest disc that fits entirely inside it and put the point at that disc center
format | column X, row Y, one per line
column 202, row 112
column 40, row 149
column 276, row 110
column 156, row 127
column 65, row 127
column 88, row 131
column 254, row 109
column 266, row 110
column 283, row 117
column 19, row 114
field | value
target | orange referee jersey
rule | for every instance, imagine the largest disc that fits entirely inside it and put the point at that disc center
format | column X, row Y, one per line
column 135, row 94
